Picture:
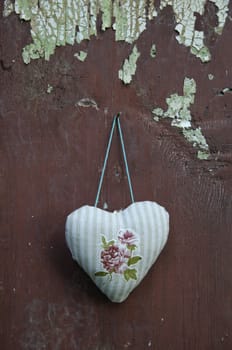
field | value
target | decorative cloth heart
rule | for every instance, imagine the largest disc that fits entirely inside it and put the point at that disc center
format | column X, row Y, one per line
column 117, row 249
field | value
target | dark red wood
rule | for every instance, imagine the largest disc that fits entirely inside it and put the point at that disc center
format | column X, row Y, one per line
column 51, row 157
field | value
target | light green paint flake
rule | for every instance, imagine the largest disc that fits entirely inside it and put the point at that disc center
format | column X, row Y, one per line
column 222, row 13
column 130, row 19
column 129, row 67
column 107, row 12
column 210, row 76
column 179, row 112
column 81, row 56
column 184, row 11
column 153, row 51
column 49, row 89
column 60, row 22
column 198, row 48
column 178, row 106
column 203, row 155
column 152, row 12
column 198, row 140
column 8, row 8
column 158, row 113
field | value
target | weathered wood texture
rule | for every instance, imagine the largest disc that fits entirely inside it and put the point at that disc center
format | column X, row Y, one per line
column 51, row 157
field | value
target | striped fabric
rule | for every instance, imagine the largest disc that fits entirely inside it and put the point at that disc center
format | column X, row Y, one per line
column 117, row 249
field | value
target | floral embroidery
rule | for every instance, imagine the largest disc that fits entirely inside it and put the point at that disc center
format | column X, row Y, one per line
column 117, row 257
column 128, row 238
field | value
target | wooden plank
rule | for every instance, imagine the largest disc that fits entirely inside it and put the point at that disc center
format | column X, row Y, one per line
column 51, row 158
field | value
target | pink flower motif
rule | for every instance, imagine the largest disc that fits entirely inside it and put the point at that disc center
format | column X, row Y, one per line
column 114, row 258
column 127, row 237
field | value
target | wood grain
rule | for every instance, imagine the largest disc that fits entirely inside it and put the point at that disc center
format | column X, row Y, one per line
column 51, row 158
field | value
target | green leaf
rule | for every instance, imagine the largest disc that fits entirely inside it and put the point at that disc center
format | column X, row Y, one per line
column 133, row 274
column 130, row 273
column 104, row 242
column 101, row 274
column 126, row 275
column 131, row 247
column 133, row 260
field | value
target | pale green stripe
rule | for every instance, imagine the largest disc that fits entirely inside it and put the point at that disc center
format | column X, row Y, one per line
column 114, row 284
column 134, row 222
column 150, row 224
column 158, row 232
column 68, row 233
column 95, row 248
column 75, row 237
column 161, row 232
column 89, row 224
column 144, row 229
column 119, row 280
column 144, row 243
column 97, row 232
column 165, row 221
column 81, row 229
column 162, row 228
column 103, row 281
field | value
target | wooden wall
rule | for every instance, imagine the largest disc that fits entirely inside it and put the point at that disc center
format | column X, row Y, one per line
column 51, row 158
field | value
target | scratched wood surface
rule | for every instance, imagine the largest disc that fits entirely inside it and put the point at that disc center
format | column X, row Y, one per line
column 51, row 157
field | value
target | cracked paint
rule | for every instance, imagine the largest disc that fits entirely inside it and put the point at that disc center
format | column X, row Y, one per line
column 81, row 56
column 8, row 8
column 184, row 11
column 49, row 89
column 198, row 140
column 222, row 14
column 60, row 22
column 225, row 91
column 130, row 19
column 210, row 76
column 153, row 51
column 179, row 111
column 178, row 106
column 129, row 66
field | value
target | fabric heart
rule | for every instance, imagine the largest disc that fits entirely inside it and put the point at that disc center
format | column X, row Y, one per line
column 117, row 249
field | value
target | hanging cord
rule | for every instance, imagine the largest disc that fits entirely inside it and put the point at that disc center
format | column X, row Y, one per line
column 105, row 161
column 125, row 160
column 115, row 120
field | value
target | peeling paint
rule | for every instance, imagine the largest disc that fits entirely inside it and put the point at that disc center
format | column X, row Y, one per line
column 130, row 19
column 49, row 89
column 210, row 76
column 185, row 11
column 129, row 67
column 60, row 22
column 107, row 12
column 8, row 8
column 227, row 90
column 87, row 102
column 153, row 51
column 178, row 106
column 105, row 206
column 179, row 111
column 197, row 139
column 222, row 13
column 81, row 56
